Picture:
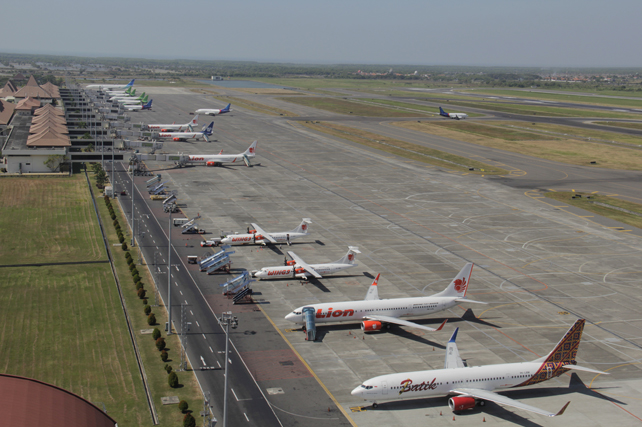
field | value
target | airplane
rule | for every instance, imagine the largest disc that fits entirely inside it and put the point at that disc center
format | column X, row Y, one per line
column 217, row 159
column 213, row 111
column 258, row 235
column 128, row 92
column 138, row 107
column 183, row 136
column 475, row 385
column 455, row 116
column 174, row 126
column 104, row 86
column 302, row 270
column 121, row 95
column 131, row 100
column 374, row 313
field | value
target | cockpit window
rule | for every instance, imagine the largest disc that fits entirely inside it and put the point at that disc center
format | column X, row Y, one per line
column 367, row 387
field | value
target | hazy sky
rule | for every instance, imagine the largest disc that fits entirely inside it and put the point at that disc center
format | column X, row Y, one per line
column 446, row 32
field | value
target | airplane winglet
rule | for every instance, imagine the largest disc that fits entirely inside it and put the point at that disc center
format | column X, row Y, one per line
column 562, row 410
column 442, row 325
column 454, row 336
column 375, row 282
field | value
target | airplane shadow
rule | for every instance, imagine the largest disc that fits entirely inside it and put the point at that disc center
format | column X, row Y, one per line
column 368, row 275
column 319, row 242
column 469, row 316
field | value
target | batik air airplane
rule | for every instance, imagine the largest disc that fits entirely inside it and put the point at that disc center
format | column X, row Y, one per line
column 220, row 158
column 184, row 136
column 213, row 111
column 104, row 86
column 470, row 386
column 260, row 236
column 374, row 313
column 174, row 126
column 302, row 270
column 138, row 107
column 455, row 116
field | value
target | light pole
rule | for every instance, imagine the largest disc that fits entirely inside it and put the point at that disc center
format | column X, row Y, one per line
column 169, row 278
column 133, row 239
column 227, row 319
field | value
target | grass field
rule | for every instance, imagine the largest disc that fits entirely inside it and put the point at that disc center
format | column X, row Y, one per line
column 579, row 99
column 47, row 220
column 317, row 83
column 405, row 149
column 255, row 106
column 434, row 111
column 342, row 106
column 622, row 125
column 584, row 203
column 571, row 151
column 493, row 131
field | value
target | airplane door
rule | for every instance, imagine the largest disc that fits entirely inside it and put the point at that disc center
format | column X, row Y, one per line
column 384, row 387
column 549, row 372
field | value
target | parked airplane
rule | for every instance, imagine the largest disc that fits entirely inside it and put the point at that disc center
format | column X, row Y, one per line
column 455, row 116
column 374, row 313
column 138, row 107
column 475, row 385
column 258, row 235
column 184, row 136
column 130, row 100
column 213, row 111
column 130, row 95
column 128, row 92
column 302, row 270
column 105, row 86
column 217, row 159
column 174, row 126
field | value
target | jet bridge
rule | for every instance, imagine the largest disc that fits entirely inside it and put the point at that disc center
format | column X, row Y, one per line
column 310, row 326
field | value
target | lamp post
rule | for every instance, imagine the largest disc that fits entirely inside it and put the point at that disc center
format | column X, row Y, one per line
column 226, row 320
column 169, row 278
column 133, row 230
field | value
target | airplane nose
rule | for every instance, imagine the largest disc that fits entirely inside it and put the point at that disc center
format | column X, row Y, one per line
column 356, row 392
column 260, row 274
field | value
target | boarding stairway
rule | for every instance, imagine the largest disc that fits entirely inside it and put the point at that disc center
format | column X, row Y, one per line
column 237, row 284
column 190, row 225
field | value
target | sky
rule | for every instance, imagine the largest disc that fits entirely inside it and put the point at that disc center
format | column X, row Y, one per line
column 543, row 33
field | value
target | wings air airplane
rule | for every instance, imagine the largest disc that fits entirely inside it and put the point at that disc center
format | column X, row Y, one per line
column 213, row 111
column 138, row 107
column 455, row 116
column 183, row 136
column 374, row 313
column 104, row 86
column 470, row 386
column 302, row 270
column 174, row 126
column 220, row 158
column 258, row 235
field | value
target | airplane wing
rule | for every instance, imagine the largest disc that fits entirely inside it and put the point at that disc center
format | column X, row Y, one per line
column 263, row 233
column 453, row 360
column 303, row 264
column 469, row 300
column 388, row 319
column 503, row 400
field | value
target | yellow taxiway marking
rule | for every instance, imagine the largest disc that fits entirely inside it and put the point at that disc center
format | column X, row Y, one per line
column 550, row 189
column 358, row 408
column 560, row 206
column 587, row 216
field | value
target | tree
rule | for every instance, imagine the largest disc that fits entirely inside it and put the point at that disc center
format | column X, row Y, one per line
column 54, row 161
column 139, row 285
column 151, row 319
column 101, row 178
column 189, row 421
column 183, row 406
column 160, row 343
column 164, row 355
column 172, row 379
column 168, row 368
column 156, row 334
column 124, row 246
column 141, row 293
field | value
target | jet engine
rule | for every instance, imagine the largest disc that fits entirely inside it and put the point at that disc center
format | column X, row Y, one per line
column 371, row 325
column 176, row 138
column 164, row 130
column 460, row 403
column 290, row 262
column 211, row 163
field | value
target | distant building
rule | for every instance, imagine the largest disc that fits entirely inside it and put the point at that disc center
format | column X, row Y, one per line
column 217, row 78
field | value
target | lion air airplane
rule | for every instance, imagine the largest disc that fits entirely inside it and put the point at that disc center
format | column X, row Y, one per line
column 184, row 136
column 455, row 116
column 213, row 111
column 302, row 270
column 374, row 313
column 102, row 86
column 258, row 235
column 220, row 158
column 474, row 385
column 174, row 126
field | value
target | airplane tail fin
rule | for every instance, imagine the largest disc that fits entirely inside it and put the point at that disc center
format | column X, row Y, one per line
column 208, row 130
column 130, row 84
column 349, row 258
column 459, row 285
column 251, row 150
column 373, row 291
column 194, row 120
column 226, row 109
column 442, row 112
column 303, row 227
column 133, row 92
column 148, row 106
column 566, row 350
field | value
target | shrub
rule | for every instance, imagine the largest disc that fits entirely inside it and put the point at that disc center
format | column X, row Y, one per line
column 183, row 406
column 136, row 278
column 160, row 343
column 112, row 215
column 156, row 334
column 168, row 368
column 189, row 421
column 128, row 255
column 141, row 293
column 124, row 246
column 144, row 301
column 147, row 309
column 115, row 222
column 164, row 355
column 172, row 380
column 139, row 285
column 121, row 238
column 151, row 319
column 106, row 198
column 132, row 266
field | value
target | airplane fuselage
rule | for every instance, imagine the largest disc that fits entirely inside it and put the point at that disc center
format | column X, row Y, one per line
column 291, row 271
column 216, row 158
column 182, row 136
column 248, row 239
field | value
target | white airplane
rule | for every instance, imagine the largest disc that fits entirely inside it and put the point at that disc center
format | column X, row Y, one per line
column 258, row 235
column 131, row 95
column 131, row 100
column 213, row 111
column 475, row 385
column 184, row 136
column 456, row 116
column 128, row 92
column 104, row 86
column 174, row 126
column 220, row 158
column 138, row 107
column 374, row 313
column 302, row 270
